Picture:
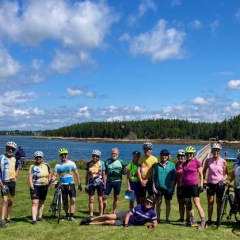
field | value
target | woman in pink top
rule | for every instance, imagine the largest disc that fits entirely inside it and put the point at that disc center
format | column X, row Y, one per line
column 217, row 173
column 192, row 169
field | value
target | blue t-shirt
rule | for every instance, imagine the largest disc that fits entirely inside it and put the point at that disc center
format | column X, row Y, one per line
column 65, row 171
column 142, row 215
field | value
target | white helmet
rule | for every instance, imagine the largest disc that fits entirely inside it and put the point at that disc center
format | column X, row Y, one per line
column 38, row 154
column 11, row 144
column 96, row 152
column 147, row 145
column 181, row 152
column 216, row 146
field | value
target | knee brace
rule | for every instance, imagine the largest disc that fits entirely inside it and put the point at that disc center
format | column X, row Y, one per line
column 188, row 205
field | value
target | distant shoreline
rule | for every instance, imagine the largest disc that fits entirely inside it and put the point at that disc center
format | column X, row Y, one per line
column 136, row 141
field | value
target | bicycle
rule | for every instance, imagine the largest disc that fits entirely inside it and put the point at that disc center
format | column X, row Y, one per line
column 228, row 197
column 57, row 202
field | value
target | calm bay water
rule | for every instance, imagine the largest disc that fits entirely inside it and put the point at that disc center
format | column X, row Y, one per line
column 83, row 150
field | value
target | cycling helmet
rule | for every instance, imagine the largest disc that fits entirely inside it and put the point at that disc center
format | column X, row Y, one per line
column 190, row 149
column 151, row 199
column 38, row 154
column 96, row 152
column 164, row 152
column 147, row 145
column 216, row 146
column 181, row 152
column 62, row 151
column 136, row 153
column 11, row 144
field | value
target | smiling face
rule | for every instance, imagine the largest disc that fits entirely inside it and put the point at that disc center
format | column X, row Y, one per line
column 63, row 157
column 147, row 151
column 10, row 151
column 114, row 154
column 38, row 160
column 215, row 152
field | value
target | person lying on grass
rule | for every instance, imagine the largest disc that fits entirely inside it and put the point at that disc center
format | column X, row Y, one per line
column 138, row 216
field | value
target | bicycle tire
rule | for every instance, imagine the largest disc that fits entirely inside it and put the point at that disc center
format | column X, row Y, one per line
column 59, row 206
column 223, row 209
column 54, row 205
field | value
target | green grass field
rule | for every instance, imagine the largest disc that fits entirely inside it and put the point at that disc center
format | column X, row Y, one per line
column 49, row 229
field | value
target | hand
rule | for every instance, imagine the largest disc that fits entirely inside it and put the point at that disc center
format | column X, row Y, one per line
column 104, row 188
column 4, row 190
column 200, row 189
column 125, row 226
column 32, row 190
column 205, row 186
column 221, row 183
column 150, row 226
column 80, row 187
column 170, row 190
column 86, row 189
column 50, row 182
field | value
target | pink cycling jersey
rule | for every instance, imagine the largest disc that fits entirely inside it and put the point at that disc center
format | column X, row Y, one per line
column 215, row 170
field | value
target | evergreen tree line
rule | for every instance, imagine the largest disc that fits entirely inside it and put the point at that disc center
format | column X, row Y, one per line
column 152, row 129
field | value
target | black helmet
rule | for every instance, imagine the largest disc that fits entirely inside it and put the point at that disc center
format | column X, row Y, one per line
column 136, row 153
column 151, row 199
column 164, row 152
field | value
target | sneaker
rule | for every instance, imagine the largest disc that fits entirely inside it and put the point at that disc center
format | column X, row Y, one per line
column 40, row 219
column 188, row 223
column 202, row 225
column 71, row 219
column 167, row 221
column 65, row 218
column 34, row 222
column 3, row 224
column 209, row 222
column 180, row 220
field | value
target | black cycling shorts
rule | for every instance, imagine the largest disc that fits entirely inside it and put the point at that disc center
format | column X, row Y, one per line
column 68, row 190
column 11, row 186
column 39, row 192
column 99, row 188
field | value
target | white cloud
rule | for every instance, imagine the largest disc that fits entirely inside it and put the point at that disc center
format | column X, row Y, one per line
column 214, row 25
column 15, row 98
column 160, row 43
column 234, row 85
column 73, row 92
column 196, row 24
column 237, row 14
column 8, row 66
column 38, row 112
column 175, row 2
column 82, row 25
column 143, row 8
column 202, row 101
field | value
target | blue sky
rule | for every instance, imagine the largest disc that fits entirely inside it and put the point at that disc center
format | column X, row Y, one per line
column 64, row 62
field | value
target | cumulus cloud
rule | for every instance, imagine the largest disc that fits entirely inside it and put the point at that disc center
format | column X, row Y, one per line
column 81, row 25
column 202, row 101
column 234, row 85
column 160, row 43
column 8, row 66
column 145, row 6
column 72, row 92
column 196, row 24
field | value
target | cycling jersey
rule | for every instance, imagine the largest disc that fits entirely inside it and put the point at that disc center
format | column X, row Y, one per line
column 65, row 171
column 40, row 174
column 146, row 166
column 114, row 169
column 236, row 170
column 95, row 172
column 133, row 173
column 8, row 168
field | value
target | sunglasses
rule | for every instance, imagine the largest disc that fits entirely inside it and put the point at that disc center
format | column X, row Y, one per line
column 95, row 156
column 63, row 154
column 38, row 157
column 181, row 155
column 147, row 202
column 10, row 148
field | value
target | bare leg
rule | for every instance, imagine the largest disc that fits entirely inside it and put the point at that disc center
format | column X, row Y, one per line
column 35, row 203
column 91, row 200
column 181, row 208
column 40, row 208
column 219, row 203
column 104, row 203
column 9, row 207
column 168, row 208
column 100, row 205
column 4, row 206
column 73, row 205
column 158, row 210
column 115, row 203
column 210, row 206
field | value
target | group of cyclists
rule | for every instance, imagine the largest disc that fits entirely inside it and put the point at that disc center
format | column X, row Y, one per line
column 149, row 180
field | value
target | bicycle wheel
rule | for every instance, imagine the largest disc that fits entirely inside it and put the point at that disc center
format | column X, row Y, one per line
column 223, row 209
column 53, row 205
column 59, row 206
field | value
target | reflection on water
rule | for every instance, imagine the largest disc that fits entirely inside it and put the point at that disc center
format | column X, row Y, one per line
column 83, row 150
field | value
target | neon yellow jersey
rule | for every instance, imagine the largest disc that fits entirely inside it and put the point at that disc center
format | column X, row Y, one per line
column 146, row 166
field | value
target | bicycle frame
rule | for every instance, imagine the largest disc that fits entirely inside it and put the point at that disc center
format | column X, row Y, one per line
column 228, row 198
column 56, row 205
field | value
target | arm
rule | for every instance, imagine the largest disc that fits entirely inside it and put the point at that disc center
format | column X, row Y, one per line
column 77, row 176
column 104, row 178
column 200, row 173
column 225, row 171
column 128, row 182
column 232, row 177
column 129, row 214
column 86, row 179
column 30, row 180
column 205, row 170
